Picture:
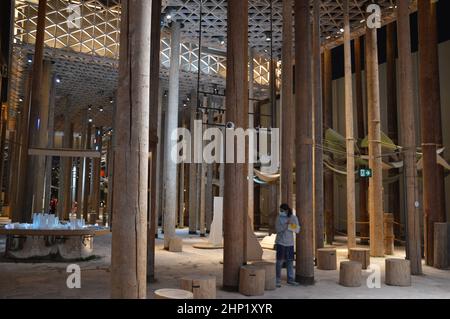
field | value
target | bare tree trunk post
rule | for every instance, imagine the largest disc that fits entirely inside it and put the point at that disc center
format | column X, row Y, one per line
column 304, row 148
column 170, row 165
column 374, row 123
column 349, row 123
column 407, row 125
column 235, row 208
column 318, row 132
column 363, row 182
column 391, row 86
column 28, row 195
column 328, row 122
column 287, row 108
column 430, row 110
column 50, row 143
column 155, row 96
column 129, row 241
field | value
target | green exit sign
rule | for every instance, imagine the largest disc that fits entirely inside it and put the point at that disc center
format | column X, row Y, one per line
column 365, row 172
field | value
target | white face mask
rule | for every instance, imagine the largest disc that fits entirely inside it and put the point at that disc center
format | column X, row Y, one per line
column 283, row 213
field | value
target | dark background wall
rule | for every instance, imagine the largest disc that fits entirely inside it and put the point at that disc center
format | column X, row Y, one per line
column 443, row 7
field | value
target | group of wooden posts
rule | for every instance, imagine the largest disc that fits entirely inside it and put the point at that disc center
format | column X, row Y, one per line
column 136, row 135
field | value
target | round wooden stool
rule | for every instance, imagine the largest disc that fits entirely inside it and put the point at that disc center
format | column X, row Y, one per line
column 203, row 287
column 252, row 280
column 326, row 259
column 173, row 294
column 270, row 275
column 398, row 272
column 361, row 255
column 350, row 274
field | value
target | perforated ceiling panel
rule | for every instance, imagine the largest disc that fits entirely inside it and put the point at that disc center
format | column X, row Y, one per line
column 82, row 39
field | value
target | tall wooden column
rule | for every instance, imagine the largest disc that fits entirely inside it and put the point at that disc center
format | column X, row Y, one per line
column 318, row 132
column 193, row 205
column 236, row 184
column 430, row 111
column 82, row 165
column 209, row 197
column 349, row 136
column 374, row 127
column 65, row 176
column 42, row 138
column 96, row 166
column 407, row 125
column 4, row 124
column 19, row 186
column 50, row 143
column 328, row 123
column 129, row 240
column 170, row 166
column 87, row 174
column 287, row 108
column 363, row 182
column 391, row 86
column 28, row 195
column 304, row 148
column 251, row 125
column 155, row 97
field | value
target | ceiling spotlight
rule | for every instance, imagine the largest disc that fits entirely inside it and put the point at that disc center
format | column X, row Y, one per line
column 20, row 99
column 30, row 58
column 90, row 120
column 58, row 79
column 169, row 13
column 101, row 109
column 268, row 36
column 341, row 30
column 111, row 100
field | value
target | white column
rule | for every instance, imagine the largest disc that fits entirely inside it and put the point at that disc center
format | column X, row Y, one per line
column 170, row 167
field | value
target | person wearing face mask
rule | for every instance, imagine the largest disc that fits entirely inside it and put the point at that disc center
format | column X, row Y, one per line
column 286, row 225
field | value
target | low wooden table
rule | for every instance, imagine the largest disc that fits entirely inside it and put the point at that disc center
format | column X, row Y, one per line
column 62, row 244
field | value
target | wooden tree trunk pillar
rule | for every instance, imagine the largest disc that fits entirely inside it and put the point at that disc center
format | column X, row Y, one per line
column 303, row 145
column 350, row 274
column 440, row 245
column 176, row 244
column 398, row 272
column 129, row 238
column 375, row 163
column 203, row 287
column 389, row 236
column 270, row 275
column 252, row 280
column 173, row 294
column 326, row 259
column 408, row 139
column 235, row 174
column 361, row 255
column 349, row 132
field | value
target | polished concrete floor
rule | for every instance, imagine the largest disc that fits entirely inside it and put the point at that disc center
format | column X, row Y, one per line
column 48, row 280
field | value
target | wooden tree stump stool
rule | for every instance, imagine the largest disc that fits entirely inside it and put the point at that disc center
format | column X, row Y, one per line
column 252, row 280
column 176, row 244
column 203, row 287
column 361, row 255
column 173, row 294
column 350, row 274
column 326, row 259
column 270, row 275
column 398, row 272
